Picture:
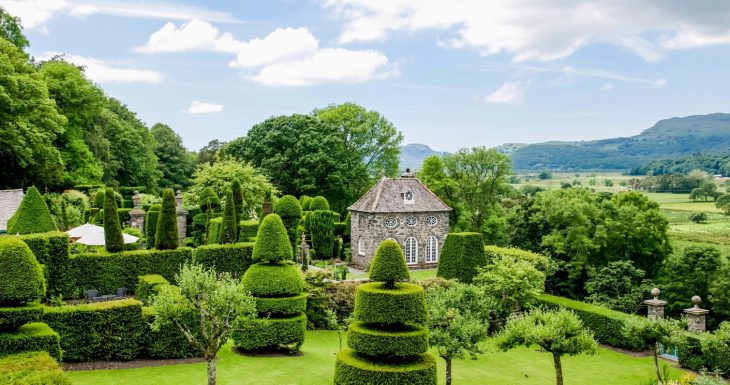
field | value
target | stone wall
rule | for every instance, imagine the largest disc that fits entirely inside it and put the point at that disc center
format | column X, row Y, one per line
column 369, row 230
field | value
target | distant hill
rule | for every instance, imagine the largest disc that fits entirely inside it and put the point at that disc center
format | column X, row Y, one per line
column 667, row 139
column 412, row 155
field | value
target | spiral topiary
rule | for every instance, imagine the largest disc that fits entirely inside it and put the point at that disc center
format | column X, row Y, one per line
column 21, row 282
column 388, row 342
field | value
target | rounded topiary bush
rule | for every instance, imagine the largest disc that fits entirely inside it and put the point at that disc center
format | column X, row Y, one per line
column 319, row 203
column 272, row 242
column 21, row 276
column 377, row 303
column 273, row 280
column 306, row 202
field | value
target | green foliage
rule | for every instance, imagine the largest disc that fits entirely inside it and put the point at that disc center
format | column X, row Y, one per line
column 247, row 230
column 319, row 203
column 399, row 341
column 461, row 255
column 172, row 158
column 208, row 200
column 272, row 242
column 11, row 318
column 618, row 286
column 272, row 333
column 150, row 224
column 234, row 259
column 650, row 333
column 716, row 349
column 290, row 211
column 32, row 215
column 278, row 306
column 273, row 280
column 214, row 230
column 148, row 286
column 31, row 337
column 21, row 276
column 31, row 368
column 698, row 217
column 167, row 341
column 229, row 228
column 11, row 30
column 112, row 228
column 306, row 202
column 405, row 303
column 322, row 231
column 541, row 262
column 166, row 236
column 723, row 203
column 691, row 273
column 353, row 368
column 237, row 191
column 389, row 264
column 515, row 282
column 52, row 250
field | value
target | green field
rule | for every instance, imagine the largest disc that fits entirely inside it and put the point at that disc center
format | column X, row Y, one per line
column 316, row 367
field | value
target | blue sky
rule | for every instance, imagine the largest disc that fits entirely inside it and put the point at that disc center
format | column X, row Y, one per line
column 449, row 74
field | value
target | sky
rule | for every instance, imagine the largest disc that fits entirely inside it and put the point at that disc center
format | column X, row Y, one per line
column 449, row 74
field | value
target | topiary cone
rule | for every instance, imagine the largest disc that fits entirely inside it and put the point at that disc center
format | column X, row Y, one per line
column 113, row 238
column 389, row 264
column 272, row 242
column 32, row 215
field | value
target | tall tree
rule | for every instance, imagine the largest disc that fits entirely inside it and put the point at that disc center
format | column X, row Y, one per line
column 207, row 153
column 11, row 30
column 172, row 158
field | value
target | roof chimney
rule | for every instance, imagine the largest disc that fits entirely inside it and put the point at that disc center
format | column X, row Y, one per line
column 408, row 174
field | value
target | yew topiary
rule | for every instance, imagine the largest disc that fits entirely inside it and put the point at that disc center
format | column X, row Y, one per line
column 237, row 191
column 113, row 238
column 166, row 236
column 319, row 203
column 389, row 264
column 32, row 215
column 150, row 225
column 461, row 255
column 290, row 211
column 272, row 242
column 229, row 228
column 21, row 276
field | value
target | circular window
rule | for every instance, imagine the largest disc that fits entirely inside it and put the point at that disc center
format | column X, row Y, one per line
column 408, row 195
column 411, row 221
column 391, row 222
column 432, row 221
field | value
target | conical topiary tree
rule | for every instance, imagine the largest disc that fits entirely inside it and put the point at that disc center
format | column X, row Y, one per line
column 278, row 288
column 32, row 215
column 290, row 211
column 113, row 238
column 229, row 228
column 237, row 191
column 21, row 284
column 388, row 342
column 150, row 225
column 166, row 233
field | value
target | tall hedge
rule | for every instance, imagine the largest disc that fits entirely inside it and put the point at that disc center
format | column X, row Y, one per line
column 247, row 230
column 166, row 236
column 388, row 342
column 319, row 203
column 32, row 215
column 290, row 211
column 234, row 259
column 461, row 255
column 21, row 276
column 237, row 191
column 113, row 239
column 229, row 229
column 150, row 224
column 51, row 250
column 322, row 231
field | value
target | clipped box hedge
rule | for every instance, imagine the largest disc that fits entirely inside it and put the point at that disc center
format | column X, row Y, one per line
column 282, row 305
column 273, row 332
column 31, row 368
column 11, row 318
column 378, row 305
column 214, row 230
column 148, row 286
column 232, row 258
column 408, row 340
column 247, row 230
column 36, row 336
column 353, row 369
column 273, row 280
column 51, row 250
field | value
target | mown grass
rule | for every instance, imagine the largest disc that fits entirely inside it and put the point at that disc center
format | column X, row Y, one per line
column 316, row 367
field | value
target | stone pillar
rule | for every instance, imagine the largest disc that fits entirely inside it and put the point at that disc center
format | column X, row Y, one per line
column 182, row 216
column 304, row 253
column 696, row 316
column 136, row 215
column 655, row 307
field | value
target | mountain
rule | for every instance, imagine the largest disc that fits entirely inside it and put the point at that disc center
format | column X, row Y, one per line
column 667, row 139
column 412, row 155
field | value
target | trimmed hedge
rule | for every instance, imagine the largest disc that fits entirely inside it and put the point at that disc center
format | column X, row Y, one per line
column 356, row 369
column 168, row 342
column 149, row 285
column 540, row 261
column 21, row 276
column 214, row 230
column 31, row 368
column 36, row 336
column 322, row 232
column 461, row 255
column 607, row 325
column 52, row 250
column 272, row 242
column 100, row 331
column 273, row 280
column 11, row 318
column 234, row 258
column 122, row 214
column 375, row 303
column 32, row 215
column 279, row 306
column 247, row 230
column 408, row 340
column 273, row 332
column 389, row 263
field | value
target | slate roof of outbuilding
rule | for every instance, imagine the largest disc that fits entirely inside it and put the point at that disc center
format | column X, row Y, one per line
column 9, row 203
column 385, row 197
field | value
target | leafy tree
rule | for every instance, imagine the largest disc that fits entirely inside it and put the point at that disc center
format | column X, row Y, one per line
column 11, row 30
column 690, row 273
column 29, row 123
column 515, row 283
column 229, row 231
column 719, row 293
column 207, row 154
column 650, row 333
column 723, row 203
column 458, row 322
column 698, row 194
column 217, row 302
column 219, row 175
column 618, row 285
column 545, row 175
column 172, row 158
column 166, row 234
column 698, row 217
column 433, row 174
column 608, row 182
column 113, row 238
column 559, row 332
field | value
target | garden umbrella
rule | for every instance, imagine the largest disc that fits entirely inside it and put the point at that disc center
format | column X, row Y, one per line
column 93, row 235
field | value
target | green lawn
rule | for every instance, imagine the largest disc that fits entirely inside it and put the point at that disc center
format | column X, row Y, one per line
column 416, row 275
column 316, row 367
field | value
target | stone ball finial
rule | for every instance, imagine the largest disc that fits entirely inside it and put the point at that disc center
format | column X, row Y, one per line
column 655, row 292
column 696, row 300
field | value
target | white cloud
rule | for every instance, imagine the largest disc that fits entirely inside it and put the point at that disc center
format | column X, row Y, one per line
column 198, row 107
column 283, row 44
column 195, row 35
column 659, row 83
column 608, row 86
column 33, row 13
column 508, row 93
column 541, row 30
column 103, row 72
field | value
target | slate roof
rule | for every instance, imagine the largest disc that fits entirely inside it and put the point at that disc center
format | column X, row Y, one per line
column 9, row 203
column 385, row 197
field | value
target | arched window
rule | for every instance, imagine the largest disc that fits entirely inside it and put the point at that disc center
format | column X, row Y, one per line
column 361, row 246
column 432, row 249
column 411, row 250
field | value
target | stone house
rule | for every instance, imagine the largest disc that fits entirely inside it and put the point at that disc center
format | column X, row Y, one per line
column 405, row 210
column 9, row 203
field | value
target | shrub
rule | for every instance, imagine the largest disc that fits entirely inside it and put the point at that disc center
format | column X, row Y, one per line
column 273, row 280
column 31, row 368
column 322, row 231
column 52, row 250
column 234, row 259
column 167, row 342
column 272, row 333
column 113, row 239
column 305, row 202
column 208, row 200
column 408, row 340
column 150, row 224
column 461, row 255
column 122, row 216
column 698, row 217
column 11, row 318
column 375, row 303
column 21, row 276
column 166, row 235
column 148, row 286
column 272, row 242
column 389, row 264
column 247, row 230
column 353, row 368
column 32, row 215
column 35, row 336
column 214, row 230
column 237, row 192
column 98, row 201
column 229, row 228
column 541, row 262
column 319, row 203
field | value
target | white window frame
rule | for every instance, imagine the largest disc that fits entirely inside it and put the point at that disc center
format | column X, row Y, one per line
column 432, row 249
column 411, row 250
column 361, row 246
column 435, row 220
column 415, row 221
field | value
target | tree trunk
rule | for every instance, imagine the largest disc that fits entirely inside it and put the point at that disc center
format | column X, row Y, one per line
column 211, row 371
column 448, row 370
column 558, row 369
column 656, row 363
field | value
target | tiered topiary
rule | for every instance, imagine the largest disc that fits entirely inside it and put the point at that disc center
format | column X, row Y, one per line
column 388, row 340
column 229, row 227
column 319, row 203
column 166, row 237
column 461, row 255
column 113, row 238
column 290, row 211
column 32, row 215
column 150, row 224
column 279, row 290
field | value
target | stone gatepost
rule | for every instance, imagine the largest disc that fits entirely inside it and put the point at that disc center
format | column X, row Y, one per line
column 696, row 316
column 182, row 216
column 655, row 307
column 136, row 215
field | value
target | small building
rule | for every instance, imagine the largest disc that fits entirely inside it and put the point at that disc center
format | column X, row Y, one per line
column 405, row 210
column 9, row 203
